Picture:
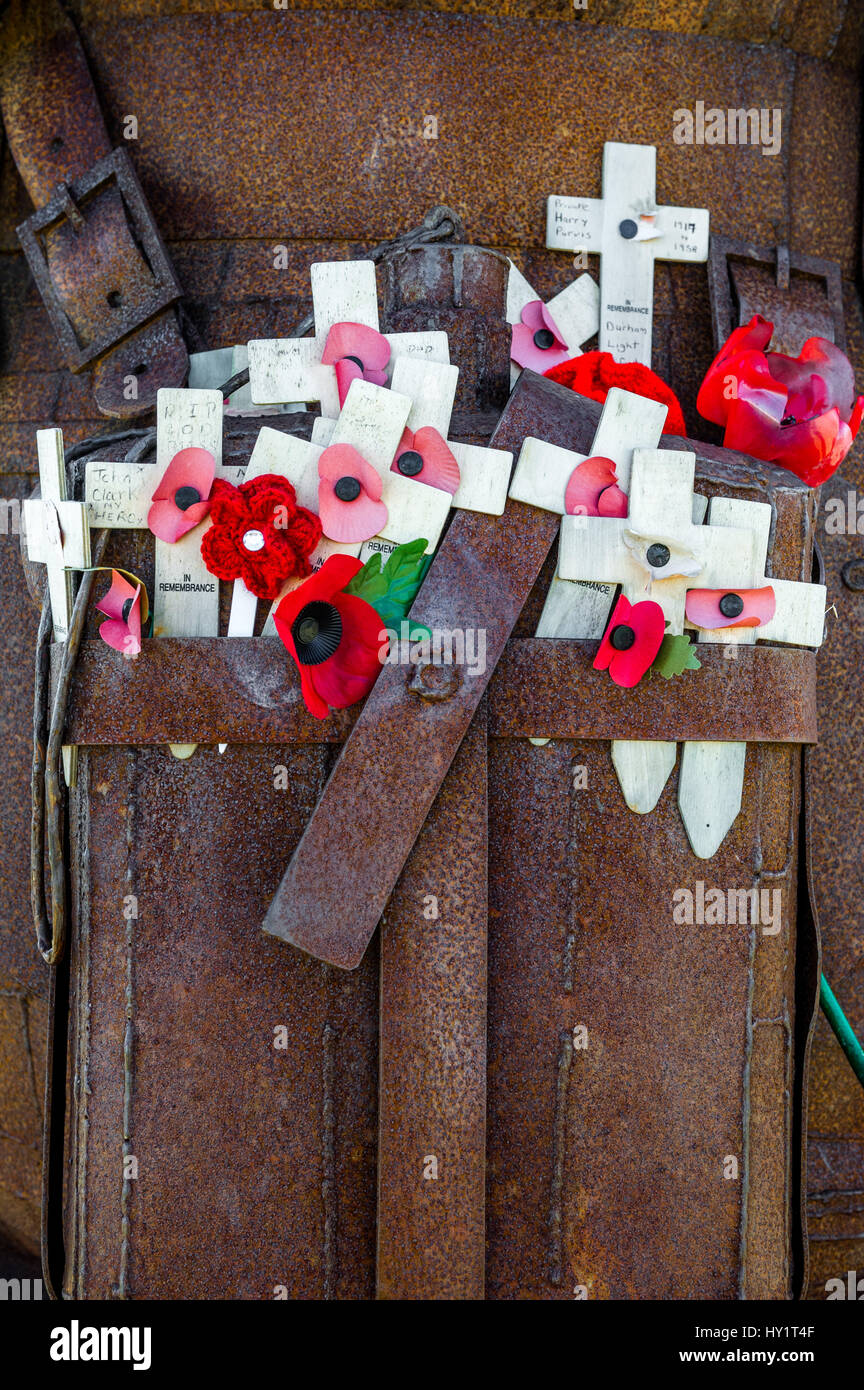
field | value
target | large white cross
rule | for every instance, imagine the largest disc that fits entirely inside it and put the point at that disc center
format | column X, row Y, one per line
column 290, row 369
column 627, row 229
column 186, row 594
column 711, row 776
column 575, row 311
column 57, row 534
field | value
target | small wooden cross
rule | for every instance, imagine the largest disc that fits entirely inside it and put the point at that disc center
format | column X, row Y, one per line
column 212, row 369
column 711, row 776
column 58, row 536
column 628, row 230
column 186, row 595
column 290, row 369
column 576, row 310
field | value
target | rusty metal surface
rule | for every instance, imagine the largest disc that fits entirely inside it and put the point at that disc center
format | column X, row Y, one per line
column 432, row 1097
column 801, row 295
column 95, row 252
column 767, row 695
column 836, row 836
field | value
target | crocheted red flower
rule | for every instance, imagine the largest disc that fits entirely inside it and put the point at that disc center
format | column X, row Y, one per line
column 259, row 534
column 358, row 353
column 631, row 640
column 799, row 412
column 334, row 638
column 594, row 373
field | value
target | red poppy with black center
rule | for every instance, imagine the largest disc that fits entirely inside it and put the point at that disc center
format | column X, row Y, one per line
column 259, row 534
column 427, row 457
column 799, row 412
column 358, row 353
column 349, row 495
column 122, row 607
column 334, row 638
column 631, row 640
column 181, row 499
column 713, row 609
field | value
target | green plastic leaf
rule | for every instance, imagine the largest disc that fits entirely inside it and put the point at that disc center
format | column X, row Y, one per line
column 391, row 589
column 676, row 654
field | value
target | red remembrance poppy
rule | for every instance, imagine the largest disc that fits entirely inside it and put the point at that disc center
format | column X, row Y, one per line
column 537, row 341
column 180, row 501
column 592, row 489
column 334, row 638
column 426, row 457
column 631, row 640
column 716, row 608
column 259, row 534
column 349, row 495
column 122, row 605
column 358, row 353
column 594, row 373
column 798, row 412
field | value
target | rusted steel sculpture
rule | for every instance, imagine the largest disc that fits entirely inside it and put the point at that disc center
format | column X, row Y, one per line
column 431, row 1124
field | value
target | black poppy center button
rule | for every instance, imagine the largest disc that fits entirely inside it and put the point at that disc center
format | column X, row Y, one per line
column 351, row 358
column 628, row 228
column 409, row 463
column 317, row 632
column 347, row 489
column 731, row 605
column 544, row 338
column 186, row 497
column 126, row 609
column 658, row 556
column 622, row 637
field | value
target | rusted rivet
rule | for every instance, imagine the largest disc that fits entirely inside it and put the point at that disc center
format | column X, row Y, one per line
column 852, row 575
column 434, row 683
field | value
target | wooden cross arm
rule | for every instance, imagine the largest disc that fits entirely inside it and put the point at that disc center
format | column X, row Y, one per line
column 392, row 765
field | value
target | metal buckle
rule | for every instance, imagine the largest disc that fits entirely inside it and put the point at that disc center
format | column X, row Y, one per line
column 68, row 204
column 801, row 295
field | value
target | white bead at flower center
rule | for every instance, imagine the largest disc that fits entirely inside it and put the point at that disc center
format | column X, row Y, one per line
column 253, row 540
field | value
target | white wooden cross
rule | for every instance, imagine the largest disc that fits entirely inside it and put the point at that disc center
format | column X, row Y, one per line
column 576, row 310
column 627, row 229
column 211, row 369
column 290, row 369
column 711, row 776
column 186, row 594
column 57, row 534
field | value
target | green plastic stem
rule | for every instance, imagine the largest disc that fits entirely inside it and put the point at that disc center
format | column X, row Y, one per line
column 842, row 1029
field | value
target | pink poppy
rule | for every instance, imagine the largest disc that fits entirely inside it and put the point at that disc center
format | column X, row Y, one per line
column 631, row 640
column 427, row 457
column 122, row 605
column 537, row 341
column 592, row 489
column 349, row 495
column 358, row 353
column 799, row 412
column 715, row 608
column 181, row 499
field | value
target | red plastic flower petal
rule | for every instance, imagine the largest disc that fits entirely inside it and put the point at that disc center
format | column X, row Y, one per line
column 631, row 640
column 349, row 495
column 798, row 412
column 703, row 607
column 122, row 604
column 592, row 489
column 594, row 373
column 537, row 341
column 317, row 618
column 259, row 534
column 430, row 459
column 358, row 352
column 180, row 501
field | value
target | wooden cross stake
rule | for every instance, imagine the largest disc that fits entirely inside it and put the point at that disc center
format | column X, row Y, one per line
column 711, row 777
column 186, row 594
column 290, row 369
column 627, row 229
column 58, row 536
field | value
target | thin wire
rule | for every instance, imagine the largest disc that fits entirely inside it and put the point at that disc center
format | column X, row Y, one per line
column 842, row 1029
